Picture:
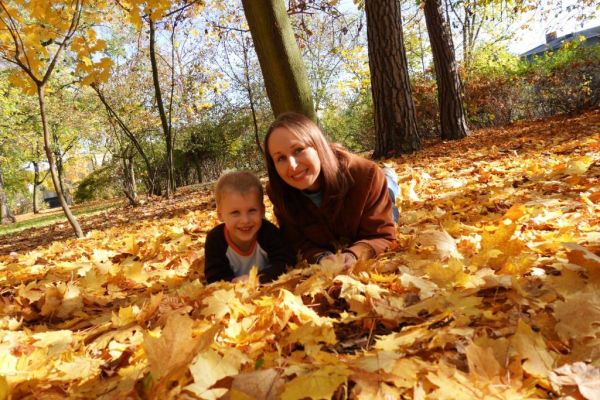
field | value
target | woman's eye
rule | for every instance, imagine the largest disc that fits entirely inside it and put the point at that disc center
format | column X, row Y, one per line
column 298, row 150
column 280, row 159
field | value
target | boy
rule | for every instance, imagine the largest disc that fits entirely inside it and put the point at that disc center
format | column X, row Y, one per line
column 244, row 238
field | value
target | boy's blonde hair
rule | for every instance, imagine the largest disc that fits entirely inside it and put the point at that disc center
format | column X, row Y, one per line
column 238, row 181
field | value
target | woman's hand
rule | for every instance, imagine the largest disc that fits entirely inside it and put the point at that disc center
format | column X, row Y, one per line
column 349, row 259
column 241, row 278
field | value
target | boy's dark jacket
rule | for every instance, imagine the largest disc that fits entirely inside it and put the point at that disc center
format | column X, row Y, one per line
column 269, row 238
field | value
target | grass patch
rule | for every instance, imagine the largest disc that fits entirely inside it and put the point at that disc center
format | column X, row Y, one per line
column 48, row 219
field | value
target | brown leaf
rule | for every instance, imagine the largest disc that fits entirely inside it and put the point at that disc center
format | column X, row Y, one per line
column 264, row 384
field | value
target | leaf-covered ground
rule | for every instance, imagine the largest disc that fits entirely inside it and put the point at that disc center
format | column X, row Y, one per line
column 492, row 291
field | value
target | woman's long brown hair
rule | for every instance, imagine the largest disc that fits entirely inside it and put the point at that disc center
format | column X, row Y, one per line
column 333, row 177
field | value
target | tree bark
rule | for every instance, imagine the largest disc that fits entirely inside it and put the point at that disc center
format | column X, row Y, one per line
column 163, row 115
column 394, row 109
column 61, row 198
column 284, row 73
column 453, row 122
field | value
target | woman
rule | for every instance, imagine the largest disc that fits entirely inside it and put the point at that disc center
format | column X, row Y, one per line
column 325, row 198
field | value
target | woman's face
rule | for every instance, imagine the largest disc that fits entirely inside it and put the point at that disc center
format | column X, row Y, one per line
column 296, row 163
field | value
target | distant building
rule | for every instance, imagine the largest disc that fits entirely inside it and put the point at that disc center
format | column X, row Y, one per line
column 51, row 198
column 591, row 36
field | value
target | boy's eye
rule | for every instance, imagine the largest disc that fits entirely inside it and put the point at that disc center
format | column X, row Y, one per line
column 235, row 213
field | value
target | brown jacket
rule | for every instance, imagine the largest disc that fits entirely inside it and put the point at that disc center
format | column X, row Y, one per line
column 360, row 222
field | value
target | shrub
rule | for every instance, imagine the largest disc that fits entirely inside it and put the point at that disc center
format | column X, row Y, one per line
column 100, row 184
column 498, row 93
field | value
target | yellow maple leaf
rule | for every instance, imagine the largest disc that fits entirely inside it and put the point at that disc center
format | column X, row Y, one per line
column 171, row 353
column 380, row 361
column 375, row 390
column 217, row 303
column 125, row 316
column 209, row 367
column 531, row 348
column 316, row 385
column 312, row 334
column 447, row 274
column 579, row 314
column 482, row 362
column 400, row 341
column 406, row 371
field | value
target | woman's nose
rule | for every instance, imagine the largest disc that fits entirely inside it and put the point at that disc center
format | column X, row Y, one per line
column 293, row 163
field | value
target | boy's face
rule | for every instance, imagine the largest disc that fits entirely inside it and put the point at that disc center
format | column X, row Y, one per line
column 242, row 214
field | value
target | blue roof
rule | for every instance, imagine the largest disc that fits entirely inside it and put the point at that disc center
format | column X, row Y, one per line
column 556, row 43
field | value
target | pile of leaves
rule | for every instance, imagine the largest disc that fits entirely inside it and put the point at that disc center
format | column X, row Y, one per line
column 492, row 291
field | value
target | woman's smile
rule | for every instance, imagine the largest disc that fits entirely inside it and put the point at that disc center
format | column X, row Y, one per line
column 296, row 163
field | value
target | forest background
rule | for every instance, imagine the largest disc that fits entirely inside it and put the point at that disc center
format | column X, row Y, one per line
column 109, row 135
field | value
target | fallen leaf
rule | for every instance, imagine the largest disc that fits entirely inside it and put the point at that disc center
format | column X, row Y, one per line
column 584, row 376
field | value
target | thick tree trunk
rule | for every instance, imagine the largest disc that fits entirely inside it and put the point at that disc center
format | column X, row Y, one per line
column 163, row 115
column 52, row 167
column 6, row 216
column 394, row 109
column 452, row 114
column 284, row 73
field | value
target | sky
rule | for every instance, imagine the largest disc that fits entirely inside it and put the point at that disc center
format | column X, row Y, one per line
column 538, row 22
column 561, row 23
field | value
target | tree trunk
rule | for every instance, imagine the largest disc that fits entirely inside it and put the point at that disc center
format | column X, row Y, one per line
column 452, row 114
column 251, row 95
column 284, row 73
column 129, row 185
column 61, row 171
column 6, row 216
column 52, row 166
column 163, row 115
column 151, row 172
column 36, row 184
column 393, row 106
